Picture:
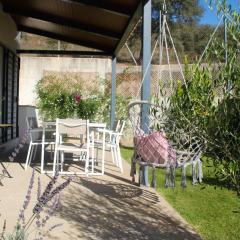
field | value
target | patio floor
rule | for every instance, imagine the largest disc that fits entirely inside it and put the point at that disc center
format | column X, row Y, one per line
column 106, row 207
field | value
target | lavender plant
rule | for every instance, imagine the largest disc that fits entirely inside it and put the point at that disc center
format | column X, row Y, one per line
column 13, row 155
column 46, row 205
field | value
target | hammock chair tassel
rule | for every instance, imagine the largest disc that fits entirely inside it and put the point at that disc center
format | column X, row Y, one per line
column 200, row 173
column 194, row 173
column 143, row 176
column 133, row 166
column 170, row 176
column 183, row 182
column 153, row 183
column 197, row 169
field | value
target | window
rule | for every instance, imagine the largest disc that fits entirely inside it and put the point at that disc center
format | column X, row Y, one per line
column 9, row 75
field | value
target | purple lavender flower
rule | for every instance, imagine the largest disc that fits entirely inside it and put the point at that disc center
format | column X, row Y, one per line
column 51, row 210
column 60, row 188
column 16, row 150
column 14, row 154
column 27, row 198
column 39, row 189
column 46, row 197
column 38, row 223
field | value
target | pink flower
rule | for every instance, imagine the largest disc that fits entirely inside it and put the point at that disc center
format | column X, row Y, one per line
column 77, row 97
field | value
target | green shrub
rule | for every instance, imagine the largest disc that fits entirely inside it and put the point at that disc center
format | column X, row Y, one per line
column 56, row 98
column 208, row 106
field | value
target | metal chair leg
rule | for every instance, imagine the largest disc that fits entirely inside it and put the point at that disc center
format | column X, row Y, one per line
column 62, row 160
column 115, row 156
column 55, row 161
column 111, row 149
column 119, row 159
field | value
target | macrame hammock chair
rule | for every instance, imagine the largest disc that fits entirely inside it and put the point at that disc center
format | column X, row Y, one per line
column 152, row 147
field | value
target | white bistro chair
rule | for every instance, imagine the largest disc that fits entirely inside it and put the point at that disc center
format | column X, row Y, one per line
column 113, row 142
column 37, row 137
column 72, row 136
column 35, row 134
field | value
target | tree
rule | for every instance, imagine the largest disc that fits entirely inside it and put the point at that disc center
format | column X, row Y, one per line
column 183, row 17
column 181, row 11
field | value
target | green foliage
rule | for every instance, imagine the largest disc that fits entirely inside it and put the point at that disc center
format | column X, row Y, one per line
column 87, row 108
column 187, row 11
column 57, row 99
column 18, row 233
column 122, row 107
column 208, row 106
column 190, row 37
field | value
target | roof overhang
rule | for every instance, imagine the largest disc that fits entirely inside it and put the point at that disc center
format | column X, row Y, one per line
column 98, row 24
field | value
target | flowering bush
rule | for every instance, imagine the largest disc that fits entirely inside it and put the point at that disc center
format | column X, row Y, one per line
column 46, row 205
column 57, row 99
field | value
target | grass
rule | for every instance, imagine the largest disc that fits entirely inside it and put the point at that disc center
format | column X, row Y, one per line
column 211, row 209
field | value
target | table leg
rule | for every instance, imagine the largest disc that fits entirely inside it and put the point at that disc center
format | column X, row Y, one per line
column 103, row 152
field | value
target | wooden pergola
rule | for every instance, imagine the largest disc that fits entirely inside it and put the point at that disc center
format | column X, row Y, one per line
column 103, row 25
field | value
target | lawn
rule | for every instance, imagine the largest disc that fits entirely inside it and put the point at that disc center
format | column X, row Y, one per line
column 212, row 210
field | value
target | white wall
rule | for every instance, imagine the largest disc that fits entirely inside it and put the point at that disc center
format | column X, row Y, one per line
column 8, row 31
column 33, row 68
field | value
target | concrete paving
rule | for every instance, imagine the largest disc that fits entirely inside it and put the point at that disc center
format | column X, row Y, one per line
column 95, row 208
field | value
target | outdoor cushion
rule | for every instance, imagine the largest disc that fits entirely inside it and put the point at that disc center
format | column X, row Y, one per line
column 155, row 148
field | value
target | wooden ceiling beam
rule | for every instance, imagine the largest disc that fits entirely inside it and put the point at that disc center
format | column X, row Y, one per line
column 129, row 28
column 62, row 37
column 113, row 8
column 65, row 53
column 61, row 21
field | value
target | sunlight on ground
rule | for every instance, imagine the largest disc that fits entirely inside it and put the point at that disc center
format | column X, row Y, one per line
column 214, row 211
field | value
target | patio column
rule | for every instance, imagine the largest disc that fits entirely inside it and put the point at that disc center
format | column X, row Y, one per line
column 113, row 93
column 146, row 73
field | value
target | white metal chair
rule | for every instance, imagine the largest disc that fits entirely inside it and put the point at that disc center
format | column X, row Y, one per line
column 113, row 142
column 72, row 136
column 36, row 138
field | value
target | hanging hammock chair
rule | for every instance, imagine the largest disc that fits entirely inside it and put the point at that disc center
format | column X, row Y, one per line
column 152, row 147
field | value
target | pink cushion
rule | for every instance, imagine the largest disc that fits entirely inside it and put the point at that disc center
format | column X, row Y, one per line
column 154, row 148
